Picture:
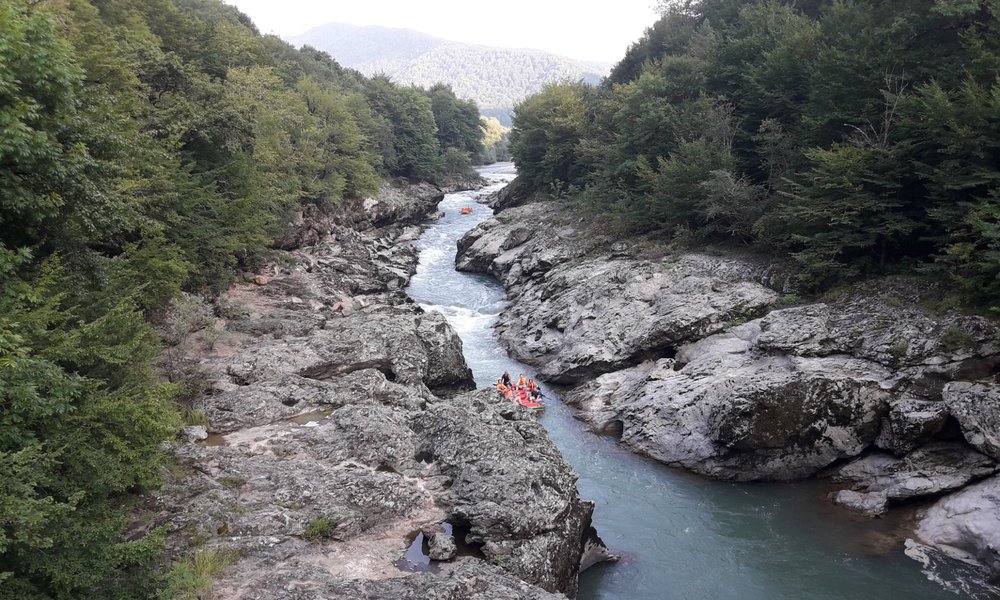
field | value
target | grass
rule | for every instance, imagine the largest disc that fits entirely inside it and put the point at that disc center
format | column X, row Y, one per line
column 954, row 339
column 899, row 350
column 191, row 577
column 318, row 529
column 192, row 416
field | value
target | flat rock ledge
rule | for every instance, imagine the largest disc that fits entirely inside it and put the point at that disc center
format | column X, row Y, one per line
column 342, row 423
column 708, row 361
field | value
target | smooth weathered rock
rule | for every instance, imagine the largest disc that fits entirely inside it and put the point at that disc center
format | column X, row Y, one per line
column 928, row 471
column 517, row 193
column 976, row 406
column 372, row 473
column 967, row 523
column 392, row 205
column 872, row 504
column 723, row 410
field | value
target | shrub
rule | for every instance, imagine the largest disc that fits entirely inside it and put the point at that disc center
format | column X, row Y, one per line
column 318, row 529
column 191, row 578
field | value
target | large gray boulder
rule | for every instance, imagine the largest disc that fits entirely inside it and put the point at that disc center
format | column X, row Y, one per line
column 376, row 355
column 976, row 406
column 910, row 423
column 785, row 395
column 722, row 410
column 967, row 523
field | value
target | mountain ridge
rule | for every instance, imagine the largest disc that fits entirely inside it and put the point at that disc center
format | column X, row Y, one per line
column 496, row 78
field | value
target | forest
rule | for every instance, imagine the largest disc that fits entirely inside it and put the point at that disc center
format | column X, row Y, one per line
column 149, row 149
column 857, row 138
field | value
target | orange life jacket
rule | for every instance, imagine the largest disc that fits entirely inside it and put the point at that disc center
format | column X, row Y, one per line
column 521, row 382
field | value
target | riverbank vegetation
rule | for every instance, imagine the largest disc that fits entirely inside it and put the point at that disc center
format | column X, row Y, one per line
column 856, row 137
column 150, row 147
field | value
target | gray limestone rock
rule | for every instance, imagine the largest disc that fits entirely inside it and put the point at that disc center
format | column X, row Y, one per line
column 577, row 312
column 872, row 504
column 346, row 433
column 466, row 579
column 976, row 406
column 910, row 423
column 931, row 470
column 967, row 523
column 722, row 410
column 657, row 347
column 194, row 433
column 442, row 546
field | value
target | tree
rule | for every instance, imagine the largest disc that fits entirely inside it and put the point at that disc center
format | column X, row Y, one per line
column 412, row 132
column 547, row 130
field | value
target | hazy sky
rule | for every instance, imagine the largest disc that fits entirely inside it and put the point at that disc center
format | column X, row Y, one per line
column 569, row 27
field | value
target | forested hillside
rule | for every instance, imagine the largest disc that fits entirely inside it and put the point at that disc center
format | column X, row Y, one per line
column 150, row 147
column 857, row 137
column 495, row 78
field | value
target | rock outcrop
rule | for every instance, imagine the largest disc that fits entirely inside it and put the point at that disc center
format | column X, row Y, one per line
column 394, row 205
column 976, row 407
column 340, row 424
column 968, row 524
column 578, row 312
column 693, row 360
column 932, row 470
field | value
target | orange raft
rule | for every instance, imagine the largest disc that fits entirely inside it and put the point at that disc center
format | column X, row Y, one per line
column 465, row 210
column 522, row 397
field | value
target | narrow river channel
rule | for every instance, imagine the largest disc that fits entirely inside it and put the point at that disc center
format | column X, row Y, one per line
column 680, row 536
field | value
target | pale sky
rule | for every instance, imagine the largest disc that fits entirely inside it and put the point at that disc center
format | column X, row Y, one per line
column 585, row 29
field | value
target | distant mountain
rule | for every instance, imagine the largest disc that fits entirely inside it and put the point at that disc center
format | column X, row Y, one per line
column 496, row 78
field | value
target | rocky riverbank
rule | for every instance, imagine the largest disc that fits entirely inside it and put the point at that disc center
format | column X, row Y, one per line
column 709, row 361
column 342, row 423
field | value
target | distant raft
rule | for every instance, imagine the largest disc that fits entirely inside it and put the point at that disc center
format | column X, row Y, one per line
column 466, row 210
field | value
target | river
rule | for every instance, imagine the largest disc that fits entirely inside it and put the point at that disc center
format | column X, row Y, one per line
column 681, row 536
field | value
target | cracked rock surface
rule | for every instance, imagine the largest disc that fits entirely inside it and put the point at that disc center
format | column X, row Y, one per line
column 341, row 423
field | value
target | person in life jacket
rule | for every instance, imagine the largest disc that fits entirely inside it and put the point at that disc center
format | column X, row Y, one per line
column 532, row 386
column 521, row 381
column 501, row 387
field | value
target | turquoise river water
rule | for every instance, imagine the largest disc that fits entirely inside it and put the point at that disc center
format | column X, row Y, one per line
column 682, row 536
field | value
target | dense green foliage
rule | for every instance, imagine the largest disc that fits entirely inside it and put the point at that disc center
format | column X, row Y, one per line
column 857, row 137
column 149, row 147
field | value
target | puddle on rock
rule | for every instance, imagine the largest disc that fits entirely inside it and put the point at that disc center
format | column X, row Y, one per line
column 417, row 558
column 214, row 439
column 311, row 417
